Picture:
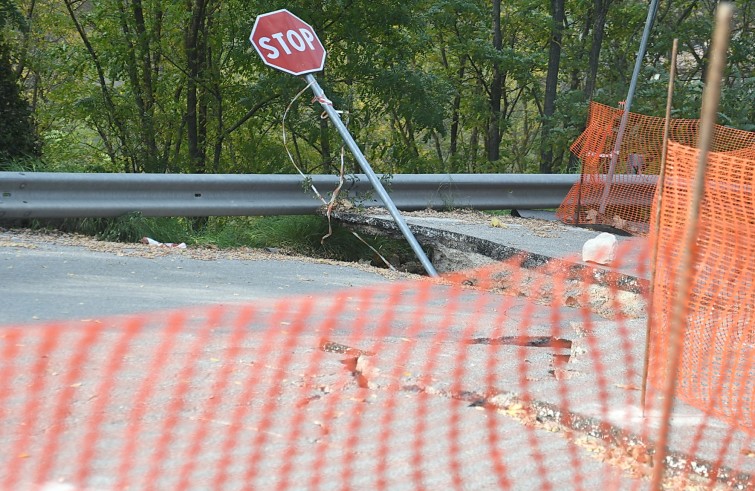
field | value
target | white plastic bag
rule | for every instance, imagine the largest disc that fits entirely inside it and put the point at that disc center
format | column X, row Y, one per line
column 601, row 249
column 153, row 242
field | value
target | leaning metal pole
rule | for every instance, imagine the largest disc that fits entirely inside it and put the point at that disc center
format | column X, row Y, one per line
column 628, row 103
column 376, row 184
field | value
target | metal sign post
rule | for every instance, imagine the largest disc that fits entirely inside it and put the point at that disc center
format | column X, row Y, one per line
column 376, row 184
column 287, row 43
column 652, row 10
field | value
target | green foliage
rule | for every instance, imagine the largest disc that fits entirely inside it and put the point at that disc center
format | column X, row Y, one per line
column 299, row 234
column 10, row 16
column 131, row 228
column 18, row 134
column 421, row 82
column 293, row 234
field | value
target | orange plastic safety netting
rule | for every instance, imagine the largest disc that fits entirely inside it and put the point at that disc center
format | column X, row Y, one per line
column 521, row 375
column 718, row 356
column 617, row 189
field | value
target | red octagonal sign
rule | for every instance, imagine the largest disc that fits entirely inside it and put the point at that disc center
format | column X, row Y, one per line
column 287, row 43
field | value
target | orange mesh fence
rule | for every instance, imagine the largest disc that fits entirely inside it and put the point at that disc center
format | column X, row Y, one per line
column 623, row 199
column 521, row 375
column 718, row 356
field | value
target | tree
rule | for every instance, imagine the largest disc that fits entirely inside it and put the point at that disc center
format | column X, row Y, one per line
column 18, row 133
column 10, row 15
column 551, row 84
column 427, row 85
column 158, row 70
column 493, row 141
column 198, row 66
column 600, row 12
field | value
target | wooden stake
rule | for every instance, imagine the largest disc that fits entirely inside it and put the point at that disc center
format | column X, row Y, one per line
column 657, row 222
column 711, row 97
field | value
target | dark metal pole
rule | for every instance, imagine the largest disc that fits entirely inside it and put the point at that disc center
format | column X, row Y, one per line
column 628, row 103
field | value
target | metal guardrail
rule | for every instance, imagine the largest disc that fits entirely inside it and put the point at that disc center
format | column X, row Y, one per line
column 62, row 195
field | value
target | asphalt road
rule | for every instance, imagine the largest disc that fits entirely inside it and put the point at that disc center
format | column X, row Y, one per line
column 46, row 280
column 42, row 281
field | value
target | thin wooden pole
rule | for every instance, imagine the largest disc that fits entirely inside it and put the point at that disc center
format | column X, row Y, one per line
column 657, row 221
column 711, row 97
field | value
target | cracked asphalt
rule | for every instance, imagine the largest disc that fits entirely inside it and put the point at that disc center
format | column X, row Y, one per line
column 247, row 391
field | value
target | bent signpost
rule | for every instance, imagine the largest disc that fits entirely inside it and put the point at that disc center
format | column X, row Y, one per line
column 289, row 44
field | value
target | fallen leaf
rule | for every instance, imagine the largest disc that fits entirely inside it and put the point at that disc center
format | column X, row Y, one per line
column 515, row 410
column 497, row 223
column 561, row 374
column 551, row 426
column 627, row 387
column 363, row 371
column 619, row 222
column 365, row 367
column 571, row 301
column 589, row 443
column 77, row 384
column 748, row 452
column 640, row 454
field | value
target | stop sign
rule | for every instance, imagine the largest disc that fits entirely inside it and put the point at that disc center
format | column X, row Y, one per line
column 287, row 43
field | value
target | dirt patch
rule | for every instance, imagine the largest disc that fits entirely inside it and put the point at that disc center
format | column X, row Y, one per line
column 539, row 227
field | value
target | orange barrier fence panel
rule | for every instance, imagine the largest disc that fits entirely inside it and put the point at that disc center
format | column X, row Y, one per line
column 717, row 366
column 623, row 200
column 522, row 375
column 716, row 370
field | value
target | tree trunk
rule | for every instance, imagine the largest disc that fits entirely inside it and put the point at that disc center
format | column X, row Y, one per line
column 27, row 33
column 551, row 85
column 144, row 92
column 474, row 142
column 194, row 57
column 493, row 140
column 598, row 30
column 455, row 110
column 576, row 77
